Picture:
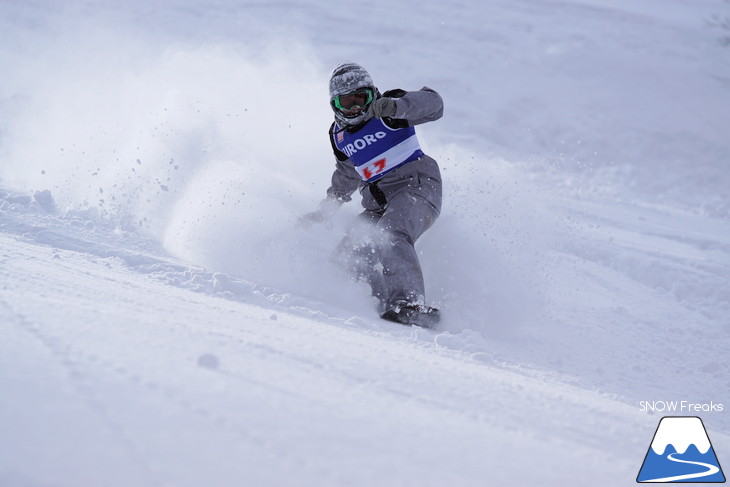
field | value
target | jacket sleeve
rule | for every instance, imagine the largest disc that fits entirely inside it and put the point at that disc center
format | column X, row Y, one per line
column 345, row 179
column 416, row 107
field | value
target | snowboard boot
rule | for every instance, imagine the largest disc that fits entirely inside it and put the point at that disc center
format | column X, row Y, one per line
column 407, row 313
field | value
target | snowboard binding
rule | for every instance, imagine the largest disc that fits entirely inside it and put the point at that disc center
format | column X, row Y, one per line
column 412, row 314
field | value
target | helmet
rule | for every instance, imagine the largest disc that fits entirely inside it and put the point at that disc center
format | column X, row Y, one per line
column 351, row 92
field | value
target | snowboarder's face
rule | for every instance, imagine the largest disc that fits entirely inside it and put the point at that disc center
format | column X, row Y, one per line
column 353, row 103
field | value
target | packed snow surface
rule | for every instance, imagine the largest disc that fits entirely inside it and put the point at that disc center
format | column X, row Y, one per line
column 164, row 321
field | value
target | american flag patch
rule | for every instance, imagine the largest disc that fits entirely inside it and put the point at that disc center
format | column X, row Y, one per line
column 340, row 136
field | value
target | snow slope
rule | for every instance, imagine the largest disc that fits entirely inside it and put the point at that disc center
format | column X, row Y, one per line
column 164, row 322
column 122, row 368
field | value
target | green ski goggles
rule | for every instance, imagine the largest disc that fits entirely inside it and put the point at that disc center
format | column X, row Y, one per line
column 353, row 103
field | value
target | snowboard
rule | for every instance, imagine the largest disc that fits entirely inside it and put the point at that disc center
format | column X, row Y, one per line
column 419, row 315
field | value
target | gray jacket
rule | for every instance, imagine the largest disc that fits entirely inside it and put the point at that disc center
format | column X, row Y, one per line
column 420, row 177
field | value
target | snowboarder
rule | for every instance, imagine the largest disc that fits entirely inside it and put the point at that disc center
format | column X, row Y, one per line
column 377, row 152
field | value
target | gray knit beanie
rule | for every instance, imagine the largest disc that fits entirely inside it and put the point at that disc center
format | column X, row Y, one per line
column 348, row 77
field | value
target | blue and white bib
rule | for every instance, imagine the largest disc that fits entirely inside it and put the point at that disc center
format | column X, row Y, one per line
column 377, row 149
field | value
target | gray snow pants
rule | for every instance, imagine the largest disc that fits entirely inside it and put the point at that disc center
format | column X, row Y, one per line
column 379, row 247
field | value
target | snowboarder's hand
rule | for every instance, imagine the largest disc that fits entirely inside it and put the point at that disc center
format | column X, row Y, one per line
column 383, row 107
column 327, row 208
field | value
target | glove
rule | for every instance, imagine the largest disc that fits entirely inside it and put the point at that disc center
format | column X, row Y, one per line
column 327, row 208
column 383, row 107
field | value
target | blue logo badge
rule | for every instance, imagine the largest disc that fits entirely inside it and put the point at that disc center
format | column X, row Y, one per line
column 681, row 452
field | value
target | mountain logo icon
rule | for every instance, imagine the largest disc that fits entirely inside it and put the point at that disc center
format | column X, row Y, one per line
column 681, row 452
